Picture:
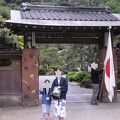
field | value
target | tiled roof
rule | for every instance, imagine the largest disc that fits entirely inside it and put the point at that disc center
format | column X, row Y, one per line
column 67, row 13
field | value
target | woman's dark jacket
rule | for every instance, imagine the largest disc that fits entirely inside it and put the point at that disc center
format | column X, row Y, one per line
column 45, row 94
column 64, row 87
column 95, row 75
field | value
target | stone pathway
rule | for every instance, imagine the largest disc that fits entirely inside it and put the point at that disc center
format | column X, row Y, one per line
column 75, row 111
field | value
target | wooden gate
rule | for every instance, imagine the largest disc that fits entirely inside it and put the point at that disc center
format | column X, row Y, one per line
column 10, row 79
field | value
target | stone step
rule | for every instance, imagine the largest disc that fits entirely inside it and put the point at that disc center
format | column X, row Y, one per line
column 10, row 100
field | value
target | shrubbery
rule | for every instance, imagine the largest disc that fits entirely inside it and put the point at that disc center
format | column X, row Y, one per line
column 82, row 77
column 118, row 84
column 42, row 71
column 55, row 67
column 86, row 82
column 70, row 76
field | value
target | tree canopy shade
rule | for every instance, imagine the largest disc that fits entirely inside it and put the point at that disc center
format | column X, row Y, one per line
column 67, row 56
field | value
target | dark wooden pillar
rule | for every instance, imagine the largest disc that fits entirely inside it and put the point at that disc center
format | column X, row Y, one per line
column 27, row 39
column 30, row 78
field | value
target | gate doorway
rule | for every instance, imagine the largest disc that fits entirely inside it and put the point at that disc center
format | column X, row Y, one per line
column 76, row 60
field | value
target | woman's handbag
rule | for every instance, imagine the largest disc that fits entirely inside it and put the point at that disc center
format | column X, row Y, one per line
column 56, row 92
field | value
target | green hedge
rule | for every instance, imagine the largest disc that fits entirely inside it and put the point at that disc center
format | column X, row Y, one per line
column 77, row 76
column 88, row 76
column 82, row 77
column 86, row 83
column 118, row 84
column 55, row 67
column 70, row 76
column 42, row 71
column 70, row 73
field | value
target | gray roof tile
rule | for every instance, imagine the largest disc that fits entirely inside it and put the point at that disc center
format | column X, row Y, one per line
column 67, row 13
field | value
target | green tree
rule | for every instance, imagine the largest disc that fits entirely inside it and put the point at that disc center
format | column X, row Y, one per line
column 4, row 11
column 49, row 56
column 20, row 41
column 6, row 36
column 114, row 4
column 2, row 2
column 79, row 56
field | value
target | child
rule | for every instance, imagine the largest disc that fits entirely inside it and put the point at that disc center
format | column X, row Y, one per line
column 46, row 100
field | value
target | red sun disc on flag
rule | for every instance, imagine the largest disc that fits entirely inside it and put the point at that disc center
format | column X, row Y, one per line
column 107, row 68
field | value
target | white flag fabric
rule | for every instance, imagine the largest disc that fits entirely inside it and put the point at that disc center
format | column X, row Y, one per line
column 109, row 70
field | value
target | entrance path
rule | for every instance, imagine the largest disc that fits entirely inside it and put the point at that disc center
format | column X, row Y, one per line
column 78, row 107
column 75, row 111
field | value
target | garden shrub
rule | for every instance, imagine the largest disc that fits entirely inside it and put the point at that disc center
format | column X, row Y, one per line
column 50, row 72
column 70, row 73
column 80, row 75
column 55, row 67
column 118, row 84
column 42, row 71
column 70, row 78
column 77, row 76
column 88, row 76
column 86, row 83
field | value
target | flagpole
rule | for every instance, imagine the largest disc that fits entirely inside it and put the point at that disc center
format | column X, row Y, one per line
column 109, row 69
column 102, row 80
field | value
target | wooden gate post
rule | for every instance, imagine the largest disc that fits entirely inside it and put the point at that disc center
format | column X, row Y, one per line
column 30, row 78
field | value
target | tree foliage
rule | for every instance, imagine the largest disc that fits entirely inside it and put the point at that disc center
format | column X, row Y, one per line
column 67, row 56
column 6, row 36
column 79, row 56
column 49, row 56
column 4, row 11
column 114, row 4
column 19, row 41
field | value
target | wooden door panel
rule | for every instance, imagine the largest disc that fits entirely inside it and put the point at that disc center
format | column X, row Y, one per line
column 10, row 82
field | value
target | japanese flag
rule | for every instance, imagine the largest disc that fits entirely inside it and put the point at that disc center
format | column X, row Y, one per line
column 109, row 70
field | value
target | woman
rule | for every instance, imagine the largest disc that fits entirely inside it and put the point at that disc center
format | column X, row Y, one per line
column 60, row 102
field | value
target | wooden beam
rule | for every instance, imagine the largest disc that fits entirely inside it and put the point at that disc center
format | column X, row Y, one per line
column 33, row 38
column 68, row 40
